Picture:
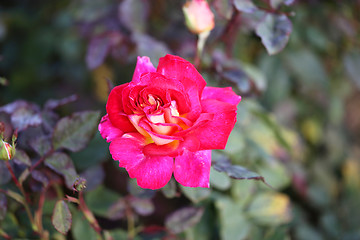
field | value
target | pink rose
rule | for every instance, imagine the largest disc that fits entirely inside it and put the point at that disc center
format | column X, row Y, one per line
column 165, row 114
column 198, row 16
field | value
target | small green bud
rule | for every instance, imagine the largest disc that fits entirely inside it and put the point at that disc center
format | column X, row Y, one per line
column 79, row 184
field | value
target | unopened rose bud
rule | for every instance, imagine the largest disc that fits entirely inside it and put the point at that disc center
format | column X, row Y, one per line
column 79, row 184
column 7, row 152
column 198, row 16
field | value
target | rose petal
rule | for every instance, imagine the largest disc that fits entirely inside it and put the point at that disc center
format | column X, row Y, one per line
column 128, row 150
column 192, row 169
column 156, row 80
column 194, row 103
column 150, row 171
column 143, row 65
column 135, row 119
column 170, row 150
column 165, row 128
column 107, row 130
column 159, row 139
column 175, row 67
column 156, row 118
column 214, row 134
column 174, row 89
column 221, row 94
column 129, row 97
column 114, row 108
column 202, row 120
column 153, row 172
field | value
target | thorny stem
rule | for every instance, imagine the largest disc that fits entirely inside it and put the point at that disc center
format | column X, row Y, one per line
column 42, row 159
column 38, row 216
column 27, row 208
column 36, row 224
column 89, row 215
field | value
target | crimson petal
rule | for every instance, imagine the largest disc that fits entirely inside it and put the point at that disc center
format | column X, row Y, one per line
column 143, row 65
column 151, row 172
column 175, row 67
column 107, row 130
column 214, row 134
column 114, row 108
column 221, row 94
column 192, row 169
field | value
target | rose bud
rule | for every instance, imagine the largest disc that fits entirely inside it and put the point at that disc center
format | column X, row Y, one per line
column 79, row 184
column 7, row 152
column 166, row 121
column 198, row 16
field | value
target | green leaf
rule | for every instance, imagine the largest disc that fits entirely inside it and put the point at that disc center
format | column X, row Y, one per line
column 24, row 175
column 52, row 104
column 277, row 233
column 74, row 132
column 195, row 194
column 246, row 6
column 40, row 177
column 81, row 229
column 117, row 210
column 94, row 177
column 268, row 121
column 142, row 206
column 308, row 68
column 10, row 225
column 133, row 14
column 274, row 31
column 100, row 200
column 233, row 224
column 99, row 48
column 275, row 173
column 270, row 209
column 61, row 218
column 116, row 234
column 25, row 117
column 279, row 78
column 205, row 229
column 41, row 144
column 235, row 171
column 62, row 164
column 219, row 180
column 183, row 219
column 238, row 78
column 95, row 153
column 22, row 157
column 16, row 196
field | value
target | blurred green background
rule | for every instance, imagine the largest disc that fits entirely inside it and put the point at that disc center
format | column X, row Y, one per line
column 298, row 121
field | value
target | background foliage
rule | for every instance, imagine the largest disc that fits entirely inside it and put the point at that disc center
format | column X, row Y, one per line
column 296, row 67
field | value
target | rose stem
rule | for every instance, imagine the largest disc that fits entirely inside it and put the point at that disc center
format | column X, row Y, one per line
column 27, row 208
